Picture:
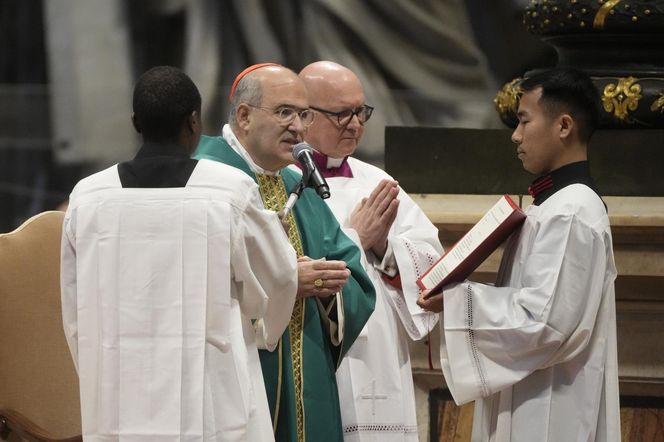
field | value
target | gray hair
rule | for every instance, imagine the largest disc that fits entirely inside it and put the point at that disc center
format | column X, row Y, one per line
column 249, row 90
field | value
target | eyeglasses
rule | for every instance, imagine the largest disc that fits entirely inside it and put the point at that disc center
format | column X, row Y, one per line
column 343, row 118
column 285, row 115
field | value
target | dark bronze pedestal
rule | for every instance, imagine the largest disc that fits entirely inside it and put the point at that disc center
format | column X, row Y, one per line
column 483, row 161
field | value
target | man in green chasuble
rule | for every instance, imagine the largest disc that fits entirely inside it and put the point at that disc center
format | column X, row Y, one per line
column 269, row 114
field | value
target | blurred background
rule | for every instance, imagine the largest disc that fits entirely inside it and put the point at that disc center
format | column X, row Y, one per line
column 67, row 70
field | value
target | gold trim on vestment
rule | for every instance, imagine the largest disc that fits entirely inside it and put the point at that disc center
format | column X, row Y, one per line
column 295, row 330
column 274, row 196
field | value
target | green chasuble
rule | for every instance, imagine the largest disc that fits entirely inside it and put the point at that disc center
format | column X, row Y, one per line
column 299, row 375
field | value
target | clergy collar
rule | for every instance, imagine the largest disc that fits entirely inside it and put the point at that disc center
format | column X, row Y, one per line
column 151, row 149
column 157, row 166
column 331, row 167
column 235, row 144
column 546, row 185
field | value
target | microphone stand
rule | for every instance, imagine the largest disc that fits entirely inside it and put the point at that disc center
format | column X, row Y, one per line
column 293, row 197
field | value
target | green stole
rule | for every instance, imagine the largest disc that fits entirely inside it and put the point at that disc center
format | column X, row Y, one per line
column 300, row 375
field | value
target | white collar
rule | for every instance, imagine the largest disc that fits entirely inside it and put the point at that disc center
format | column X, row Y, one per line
column 228, row 135
column 334, row 162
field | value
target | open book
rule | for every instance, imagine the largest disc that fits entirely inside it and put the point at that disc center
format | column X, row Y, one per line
column 475, row 246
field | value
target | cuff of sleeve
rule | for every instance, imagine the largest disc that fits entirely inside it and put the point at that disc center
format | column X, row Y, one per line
column 388, row 266
column 261, row 336
column 328, row 314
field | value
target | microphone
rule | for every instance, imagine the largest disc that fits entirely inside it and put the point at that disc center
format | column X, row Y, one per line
column 292, row 198
column 303, row 153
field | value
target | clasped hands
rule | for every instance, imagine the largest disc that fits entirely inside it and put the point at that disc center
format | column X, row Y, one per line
column 372, row 218
column 320, row 277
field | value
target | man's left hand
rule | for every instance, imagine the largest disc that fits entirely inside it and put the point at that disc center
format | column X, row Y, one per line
column 432, row 303
column 320, row 277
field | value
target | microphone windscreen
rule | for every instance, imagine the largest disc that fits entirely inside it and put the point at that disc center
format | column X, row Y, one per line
column 299, row 148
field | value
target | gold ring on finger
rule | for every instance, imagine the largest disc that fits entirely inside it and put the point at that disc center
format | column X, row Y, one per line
column 318, row 283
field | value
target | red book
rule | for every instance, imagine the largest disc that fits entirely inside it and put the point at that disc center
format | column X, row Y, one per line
column 475, row 246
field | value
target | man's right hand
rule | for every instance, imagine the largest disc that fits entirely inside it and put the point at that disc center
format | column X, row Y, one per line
column 320, row 277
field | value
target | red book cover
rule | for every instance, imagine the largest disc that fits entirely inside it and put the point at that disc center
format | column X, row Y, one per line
column 475, row 246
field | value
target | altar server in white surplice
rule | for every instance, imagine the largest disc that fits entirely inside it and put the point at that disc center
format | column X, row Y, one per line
column 375, row 379
column 537, row 352
column 168, row 272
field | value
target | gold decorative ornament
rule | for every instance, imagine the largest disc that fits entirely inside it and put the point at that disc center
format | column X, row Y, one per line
column 600, row 17
column 613, row 40
column 621, row 98
column 507, row 100
column 318, row 283
column 658, row 105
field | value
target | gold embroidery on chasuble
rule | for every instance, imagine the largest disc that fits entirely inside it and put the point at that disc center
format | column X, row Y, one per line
column 274, row 196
